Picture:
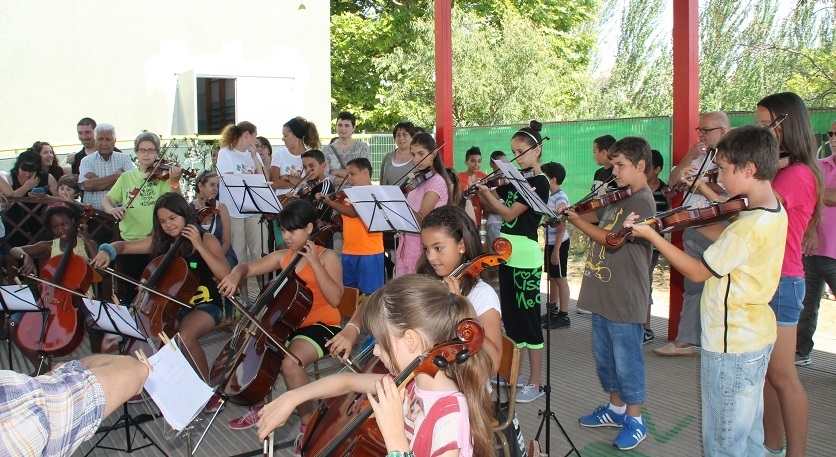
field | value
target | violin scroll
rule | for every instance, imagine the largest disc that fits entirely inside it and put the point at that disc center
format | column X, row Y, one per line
column 502, row 247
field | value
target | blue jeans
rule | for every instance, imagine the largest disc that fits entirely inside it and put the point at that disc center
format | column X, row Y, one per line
column 618, row 358
column 732, row 402
column 818, row 270
column 786, row 303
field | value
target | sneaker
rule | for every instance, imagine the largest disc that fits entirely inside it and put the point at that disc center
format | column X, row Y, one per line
column 582, row 311
column 213, row 404
column 558, row 321
column 603, row 416
column 529, row 393
column 632, row 433
column 802, row 360
column 297, row 443
column 249, row 419
column 501, row 382
column 648, row 336
column 552, row 308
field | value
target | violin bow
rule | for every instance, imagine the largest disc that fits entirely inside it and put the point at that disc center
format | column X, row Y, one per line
column 57, row 286
column 142, row 286
column 709, row 158
column 414, row 166
column 247, row 314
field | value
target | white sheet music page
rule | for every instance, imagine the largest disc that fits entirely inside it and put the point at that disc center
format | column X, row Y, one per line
column 175, row 387
column 17, row 298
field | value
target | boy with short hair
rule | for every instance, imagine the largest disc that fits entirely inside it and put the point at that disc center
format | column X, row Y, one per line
column 741, row 275
column 68, row 188
column 615, row 290
column 662, row 204
column 313, row 162
column 362, row 256
column 556, row 254
column 473, row 161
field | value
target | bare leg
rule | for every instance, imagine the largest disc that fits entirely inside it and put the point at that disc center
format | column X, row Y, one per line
column 535, row 358
column 196, row 324
column 296, row 376
column 782, row 383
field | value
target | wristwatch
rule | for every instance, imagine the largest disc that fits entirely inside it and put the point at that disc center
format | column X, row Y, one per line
column 401, row 454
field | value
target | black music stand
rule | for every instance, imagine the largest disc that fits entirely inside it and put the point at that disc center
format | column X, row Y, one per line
column 117, row 320
column 18, row 299
column 540, row 207
column 251, row 194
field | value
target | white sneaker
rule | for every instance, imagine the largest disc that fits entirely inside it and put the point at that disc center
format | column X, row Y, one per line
column 529, row 393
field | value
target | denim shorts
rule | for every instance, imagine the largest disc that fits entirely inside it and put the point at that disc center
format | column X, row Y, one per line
column 787, row 301
column 211, row 309
column 618, row 358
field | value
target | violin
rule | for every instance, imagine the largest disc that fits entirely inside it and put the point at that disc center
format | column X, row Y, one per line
column 248, row 365
column 162, row 171
column 587, row 205
column 682, row 218
column 474, row 267
column 709, row 176
column 59, row 331
column 495, row 179
column 342, row 425
column 416, row 179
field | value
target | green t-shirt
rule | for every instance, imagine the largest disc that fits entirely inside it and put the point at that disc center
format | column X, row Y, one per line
column 139, row 218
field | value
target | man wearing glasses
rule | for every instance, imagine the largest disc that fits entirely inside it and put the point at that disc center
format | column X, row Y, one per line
column 819, row 249
column 712, row 126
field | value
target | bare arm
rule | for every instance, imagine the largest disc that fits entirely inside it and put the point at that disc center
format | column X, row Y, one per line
column 226, row 236
column 690, row 267
column 507, row 214
column 121, row 377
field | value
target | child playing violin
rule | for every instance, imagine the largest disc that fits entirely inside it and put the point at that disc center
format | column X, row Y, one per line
column 615, row 289
column 740, row 275
column 201, row 251
column 313, row 162
column 321, row 271
column 408, row 317
column 521, row 299
column 63, row 220
column 425, row 197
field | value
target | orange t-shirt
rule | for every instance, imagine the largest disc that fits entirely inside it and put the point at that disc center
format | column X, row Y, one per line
column 357, row 240
column 477, row 205
column 321, row 310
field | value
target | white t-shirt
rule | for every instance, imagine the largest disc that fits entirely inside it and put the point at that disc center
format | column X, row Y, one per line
column 237, row 162
column 288, row 164
column 483, row 297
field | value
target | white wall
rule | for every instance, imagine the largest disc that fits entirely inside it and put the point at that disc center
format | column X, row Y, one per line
column 119, row 61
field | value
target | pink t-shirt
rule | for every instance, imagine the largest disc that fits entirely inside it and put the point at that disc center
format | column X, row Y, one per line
column 796, row 184
column 409, row 248
column 436, row 422
column 827, row 235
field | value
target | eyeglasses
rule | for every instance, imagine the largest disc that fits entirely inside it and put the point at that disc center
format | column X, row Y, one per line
column 146, row 151
column 831, row 134
column 704, row 130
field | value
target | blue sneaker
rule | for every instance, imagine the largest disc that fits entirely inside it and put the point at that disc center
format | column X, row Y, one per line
column 603, row 416
column 631, row 434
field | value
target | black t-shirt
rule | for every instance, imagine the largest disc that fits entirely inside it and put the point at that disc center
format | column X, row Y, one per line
column 527, row 223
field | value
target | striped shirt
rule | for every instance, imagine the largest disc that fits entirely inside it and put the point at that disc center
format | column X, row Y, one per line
column 50, row 415
column 94, row 162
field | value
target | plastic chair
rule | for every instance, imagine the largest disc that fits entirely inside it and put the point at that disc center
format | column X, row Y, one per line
column 348, row 304
column 509, row 368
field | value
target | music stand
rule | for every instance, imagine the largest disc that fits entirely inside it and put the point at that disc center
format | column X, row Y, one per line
column 251, row 194
column 383, row 209
column 540, row 207
column 17, row 299
column 117, row 320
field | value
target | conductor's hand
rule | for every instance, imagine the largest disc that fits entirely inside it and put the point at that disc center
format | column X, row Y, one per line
column 342, row 343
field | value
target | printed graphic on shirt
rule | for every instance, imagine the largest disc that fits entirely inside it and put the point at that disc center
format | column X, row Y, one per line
column 597, row 263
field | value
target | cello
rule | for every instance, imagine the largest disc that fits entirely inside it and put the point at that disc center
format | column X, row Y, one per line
column 166, row 284
column 248, row 365
column 342, row 425
column 60, row 331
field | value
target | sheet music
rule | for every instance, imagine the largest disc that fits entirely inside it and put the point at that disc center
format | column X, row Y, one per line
column 521, row 184
column 251, row 193
column 17, row 298
column 380, row 206
column 113, row 318
column 175, row 387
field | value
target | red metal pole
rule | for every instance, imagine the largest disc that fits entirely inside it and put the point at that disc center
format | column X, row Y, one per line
column 444, row 78
column 686, row 106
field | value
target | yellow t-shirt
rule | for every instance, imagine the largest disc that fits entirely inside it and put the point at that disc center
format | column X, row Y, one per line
column 746, row 263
